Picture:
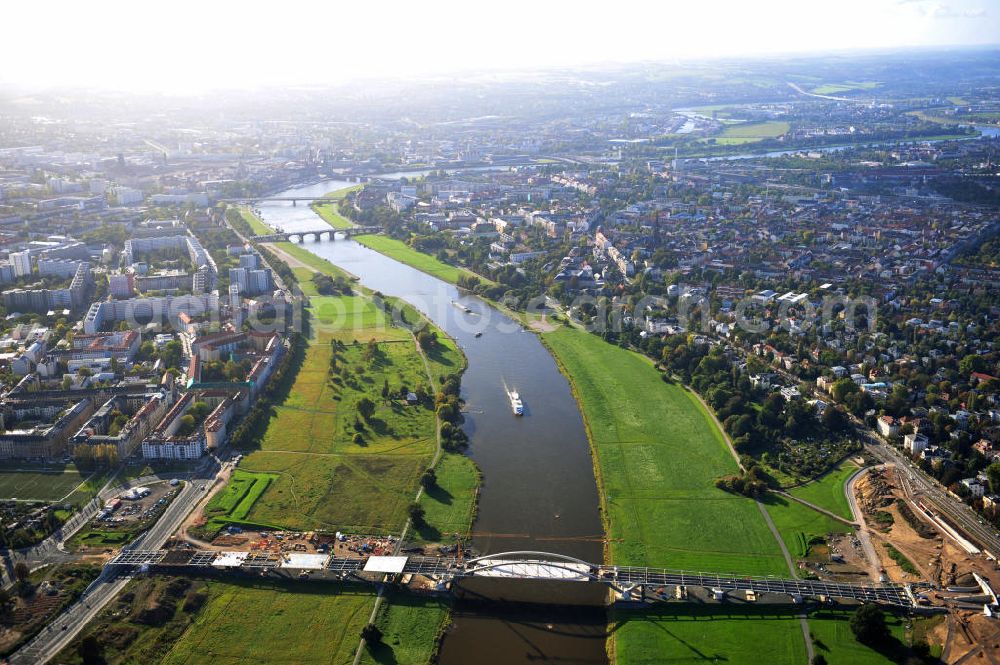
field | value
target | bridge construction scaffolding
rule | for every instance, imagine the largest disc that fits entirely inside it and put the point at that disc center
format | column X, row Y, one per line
column 540, row 566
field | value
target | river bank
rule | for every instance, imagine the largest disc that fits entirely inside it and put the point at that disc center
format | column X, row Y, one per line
column 656, row 453
column 325, row 479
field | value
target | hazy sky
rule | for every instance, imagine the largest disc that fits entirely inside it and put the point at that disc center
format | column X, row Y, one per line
column 183, row 45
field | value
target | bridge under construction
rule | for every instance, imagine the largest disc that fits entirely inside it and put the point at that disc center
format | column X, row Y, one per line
column 538, row 566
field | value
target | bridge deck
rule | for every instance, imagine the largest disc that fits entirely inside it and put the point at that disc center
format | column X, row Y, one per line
column 279, row 236
column 511, row 567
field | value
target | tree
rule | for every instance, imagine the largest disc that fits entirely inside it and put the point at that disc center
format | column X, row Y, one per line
column 90, row 650
column 972, row 363
column 187, row 425
column 835, row 419
column 21, row 573
column 371, row 634
column 427, row 339
column 366, row 408
column 819, row 659
column 416, row 513
column 842, row 388
column 868, row 625
column 429, row 479
column 993, row 475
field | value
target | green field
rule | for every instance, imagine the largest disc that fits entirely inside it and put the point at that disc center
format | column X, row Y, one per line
column 833, row 638
column 327, row 474
column 829, row 491
column 752, row 132
column 451, row 505
column 409, row 625
column 268, row 622
column 693, row 634
column 51, row 483
column 845, row 86
column 233, row 503
column 708, row 634
column 400, row 251
column 326, row 480
column 328, row 211
column 658, row 454
column 799, row 525
column 255, row 222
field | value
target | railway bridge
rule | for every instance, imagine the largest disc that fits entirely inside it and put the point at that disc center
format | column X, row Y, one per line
column 626, row 581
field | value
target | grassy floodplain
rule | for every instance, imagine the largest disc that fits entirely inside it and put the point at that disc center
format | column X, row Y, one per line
column 286, row 621
column 829, row 491
column 328, row 211
column 800, row 525
column 255, row 222
column 410, row 626
column 752, row 132
column 845, row 86
column 179, row 621
column 655, row 475
column 400, row 251
column 233, row 504
column 658, row 453
column 323, row 478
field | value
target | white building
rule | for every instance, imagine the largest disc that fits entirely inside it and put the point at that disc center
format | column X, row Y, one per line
column 887, row 426
column 21, row 262
column 975, row 487
column 127, row 196
column 915, row 443
column 187, row 449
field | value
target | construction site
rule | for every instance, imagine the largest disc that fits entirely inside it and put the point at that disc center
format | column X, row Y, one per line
column 916, row 545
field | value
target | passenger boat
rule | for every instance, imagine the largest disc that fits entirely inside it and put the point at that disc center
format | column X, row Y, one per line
column 516, row 405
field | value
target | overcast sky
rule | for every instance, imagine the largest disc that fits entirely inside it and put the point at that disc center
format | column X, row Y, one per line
column 183, row 45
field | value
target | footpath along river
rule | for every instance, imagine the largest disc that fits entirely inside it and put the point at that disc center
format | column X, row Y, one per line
column 538, row 491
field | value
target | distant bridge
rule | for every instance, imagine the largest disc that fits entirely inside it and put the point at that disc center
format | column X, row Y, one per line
column 523, row 565
column 294, row 199
column 316, row 234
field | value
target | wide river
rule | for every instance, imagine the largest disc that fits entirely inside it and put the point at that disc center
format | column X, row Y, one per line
column 538, row 491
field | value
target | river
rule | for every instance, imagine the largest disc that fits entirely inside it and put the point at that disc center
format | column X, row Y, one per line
column 538, row 491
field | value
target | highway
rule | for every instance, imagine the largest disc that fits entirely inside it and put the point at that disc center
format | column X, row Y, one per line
column 61, row 630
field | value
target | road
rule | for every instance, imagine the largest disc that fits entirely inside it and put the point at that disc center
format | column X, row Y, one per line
column 958, row 513
column 51, row 551
column 61, row 630
column 874, row 564
column 961, row 516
